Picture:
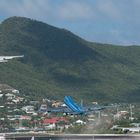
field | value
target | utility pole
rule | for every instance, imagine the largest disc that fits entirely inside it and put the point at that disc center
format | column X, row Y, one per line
column 20, row 123
column 131, row 112
column 99, row 115
column 81, row 103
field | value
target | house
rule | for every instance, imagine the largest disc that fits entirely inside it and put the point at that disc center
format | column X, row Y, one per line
column 2, row 106
column 34, row 102
column 135, row 124
column 54, row 122
column 1, row 95
column 80, row 122
column 56, row 104
column 50, row 126
column 131, row 129
column 50, row 123
column 20, row 99
column 95, row 103
column 10, row 95
column 127, row 129
column 25, row 118
column 43, row 108
column 15, row 91
column 28, row 109
column 121, row 114
column 15, row 101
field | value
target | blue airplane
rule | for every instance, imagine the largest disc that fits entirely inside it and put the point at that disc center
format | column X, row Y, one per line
column 74, row 109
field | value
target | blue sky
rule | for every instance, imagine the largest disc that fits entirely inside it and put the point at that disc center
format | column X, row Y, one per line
column 105, row 21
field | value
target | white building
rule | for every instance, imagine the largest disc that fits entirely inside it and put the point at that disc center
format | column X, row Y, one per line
column 28, row 109
column 80, row 122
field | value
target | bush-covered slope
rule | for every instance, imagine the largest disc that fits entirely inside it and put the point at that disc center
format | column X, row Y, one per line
column 59, row 63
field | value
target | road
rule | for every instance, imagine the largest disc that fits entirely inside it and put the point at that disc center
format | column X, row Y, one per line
column 76, row 137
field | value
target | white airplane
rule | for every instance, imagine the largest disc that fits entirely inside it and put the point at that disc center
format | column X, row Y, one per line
column 6, row 58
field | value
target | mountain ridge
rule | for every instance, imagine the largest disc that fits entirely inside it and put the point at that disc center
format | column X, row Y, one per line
column 59, row 63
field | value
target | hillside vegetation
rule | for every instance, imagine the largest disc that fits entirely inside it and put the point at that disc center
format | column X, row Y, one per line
column 56, row 63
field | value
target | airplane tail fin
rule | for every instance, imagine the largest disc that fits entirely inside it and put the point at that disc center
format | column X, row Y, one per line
column 72, row 105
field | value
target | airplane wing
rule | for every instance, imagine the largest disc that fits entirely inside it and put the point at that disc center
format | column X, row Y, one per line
column 56, row 110
column 65, row 110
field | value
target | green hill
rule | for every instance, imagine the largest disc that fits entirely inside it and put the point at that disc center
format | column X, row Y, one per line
column 59, row 63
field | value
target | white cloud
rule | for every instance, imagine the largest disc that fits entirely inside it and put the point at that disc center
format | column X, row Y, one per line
column 28, row 8
column 100, row 15
column 108, row 8
column 71, row 10
column 43, row 9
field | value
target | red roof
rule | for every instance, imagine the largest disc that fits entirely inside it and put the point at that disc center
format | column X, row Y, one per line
column 25, row 117
column 54, row 120
column 49, row 121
